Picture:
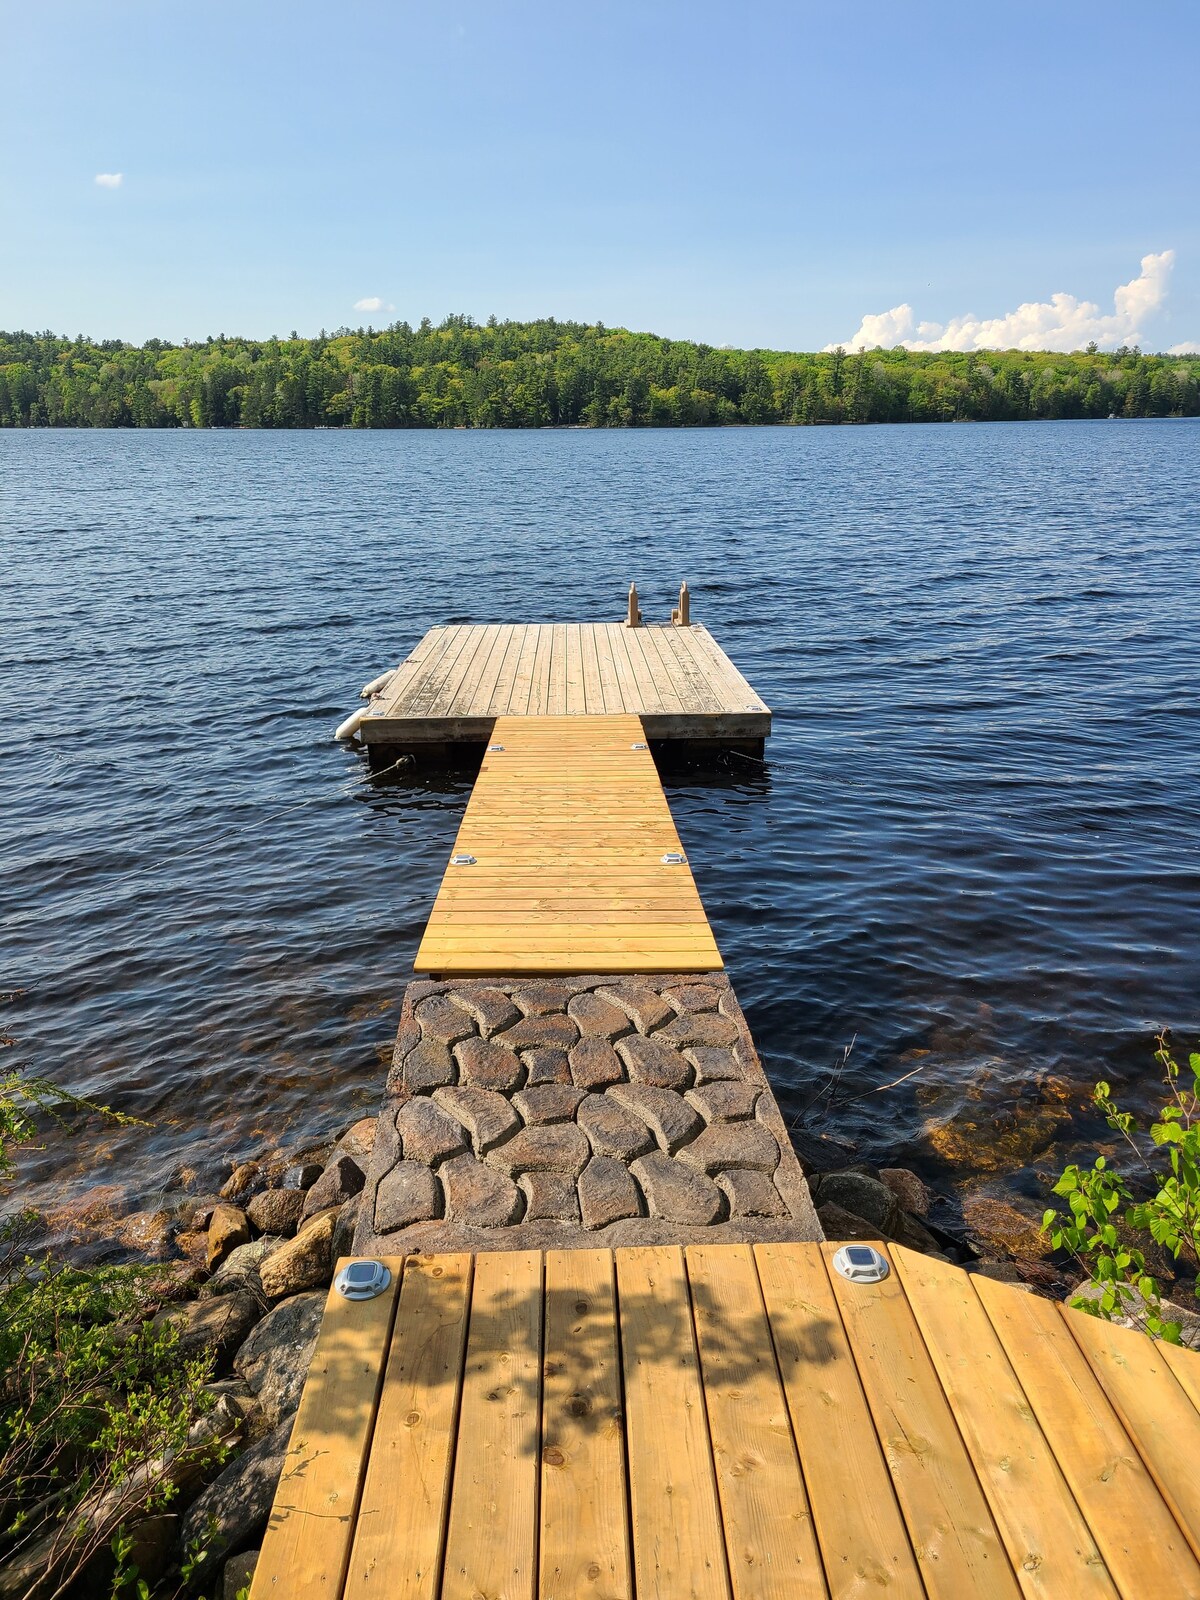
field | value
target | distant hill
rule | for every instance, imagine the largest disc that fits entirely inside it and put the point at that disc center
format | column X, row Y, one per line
column 557, row 374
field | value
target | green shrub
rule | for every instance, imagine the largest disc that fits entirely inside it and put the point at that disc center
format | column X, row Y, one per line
column 1165, row 1206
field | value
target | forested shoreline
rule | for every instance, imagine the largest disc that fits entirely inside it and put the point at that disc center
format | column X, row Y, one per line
column 557, row 374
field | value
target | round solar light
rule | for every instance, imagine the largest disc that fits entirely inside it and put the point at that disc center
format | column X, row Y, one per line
column 639, row 747
column 462, row 861
column 860, row 1263
column 495, row 747
column 674, row 858
column 362, row 1280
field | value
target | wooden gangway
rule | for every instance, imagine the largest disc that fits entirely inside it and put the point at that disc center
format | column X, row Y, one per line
column 730, row 1422
column 567, row 860
column 461, row 677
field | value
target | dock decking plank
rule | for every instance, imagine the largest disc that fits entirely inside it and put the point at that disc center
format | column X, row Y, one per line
column 1141, row 1543
column 769, row 1538
column 584, row 1544
column 306, row 1546
column 1049, row 1543
column 491, row 1537
column 678, row 1549
column 406, row 1494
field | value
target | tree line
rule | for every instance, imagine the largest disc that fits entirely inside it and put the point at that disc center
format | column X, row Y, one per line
column 463, row 374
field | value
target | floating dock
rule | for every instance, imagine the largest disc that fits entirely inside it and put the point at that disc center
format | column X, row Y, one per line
column 567, row 860
column 731, row 1423
column 460, row 678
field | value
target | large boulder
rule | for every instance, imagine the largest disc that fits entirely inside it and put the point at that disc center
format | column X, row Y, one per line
column 276, row 1211
column 342, row 1178
column 216, row 1327
column 274, row 1359
column 858, row 1194
column 305, row 1262
column 238, row 1573
column 232, row 1512
column 227, row 1229
column 239, row 1272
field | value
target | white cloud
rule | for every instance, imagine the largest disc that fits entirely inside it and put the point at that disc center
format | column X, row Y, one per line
column 373, row 302
column 1061, row 323
column 110, row 180
column 1189, row 347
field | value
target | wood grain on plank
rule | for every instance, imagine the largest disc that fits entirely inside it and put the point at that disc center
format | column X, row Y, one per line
column 406, row 1495
column 306, row 1547
column 861, row 1533
column 491, row 1538
column 1049, row 1544
column 1138, row 1537
column 678, row 1546
column 769, row 1538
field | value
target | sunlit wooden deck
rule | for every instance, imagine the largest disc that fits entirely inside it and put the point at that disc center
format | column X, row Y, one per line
column 562, row 860
column 461, row 677
column 734, row 1422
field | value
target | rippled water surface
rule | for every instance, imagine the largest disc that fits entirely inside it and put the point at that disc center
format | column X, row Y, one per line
column 972, row 850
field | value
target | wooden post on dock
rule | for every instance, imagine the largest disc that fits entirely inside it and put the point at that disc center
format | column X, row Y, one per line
column 634, row 619
column 682, row 614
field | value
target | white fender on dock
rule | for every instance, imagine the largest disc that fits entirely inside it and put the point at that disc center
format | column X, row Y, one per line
column 347, row 729
column 377, row 685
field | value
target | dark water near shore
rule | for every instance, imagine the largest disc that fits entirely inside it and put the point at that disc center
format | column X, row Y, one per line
column 972, row 851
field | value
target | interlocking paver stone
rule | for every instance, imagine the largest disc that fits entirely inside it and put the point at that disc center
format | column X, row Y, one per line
column 560, row 1147
column 427, row 1133
column 597, row 1018
column 428, row 1065
column 713, row 1063
column 607, row 1193
column 645, row 1009
column 555, row 1029
column 441, row 1019
column 694, row 997
column 550, row 1196
column 677, row 1193
column 668, row 1116
column 480, row 1195
column 699, row 1028
column 732, row 1144
column 651, row 1061
column 491, row 1008
column 727, row 1101
column 751, row 1194
column 546, row 1063
column 539, row 999
column 613, row 1129
column 594, row 1063
column 484, row 1113
column 548, row 1102
column 406, row 1194
column 486, row 1064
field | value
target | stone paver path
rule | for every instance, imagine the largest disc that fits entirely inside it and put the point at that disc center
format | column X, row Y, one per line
column 542, row 1113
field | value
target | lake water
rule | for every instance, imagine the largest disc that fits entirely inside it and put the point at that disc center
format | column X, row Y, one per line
column 972, row 851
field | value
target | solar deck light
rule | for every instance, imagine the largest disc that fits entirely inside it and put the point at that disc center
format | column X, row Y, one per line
column 674, row 858
column 860, row 1263
column 639, row 747
column 462, row 861
column 495, row 747
column 362, row 1280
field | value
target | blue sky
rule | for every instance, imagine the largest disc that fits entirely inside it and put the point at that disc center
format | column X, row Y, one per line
column 751, row 174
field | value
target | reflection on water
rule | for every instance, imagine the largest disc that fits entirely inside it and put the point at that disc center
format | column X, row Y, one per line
column 972, row 849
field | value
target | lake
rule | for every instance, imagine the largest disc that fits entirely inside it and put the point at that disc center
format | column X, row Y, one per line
column 971, row 858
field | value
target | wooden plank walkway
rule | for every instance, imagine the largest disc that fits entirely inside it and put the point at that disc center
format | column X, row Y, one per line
column 567, row 828
column 729, row 1422
column 462, row 676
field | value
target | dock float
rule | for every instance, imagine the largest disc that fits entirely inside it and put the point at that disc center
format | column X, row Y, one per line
column 461, row 677
column 727, row 1422
column 567, row 860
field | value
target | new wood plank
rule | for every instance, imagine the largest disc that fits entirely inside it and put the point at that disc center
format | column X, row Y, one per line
column 1157, row 1414
column 1141, row 1543
column 678, row 1547
column 861, row 1533
column 769, row 1538
column 406, row 1496
column 1049, row 1544
column 306, row 1546
column 584, row 1540
column 491, row 1539
column 953, row 1535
